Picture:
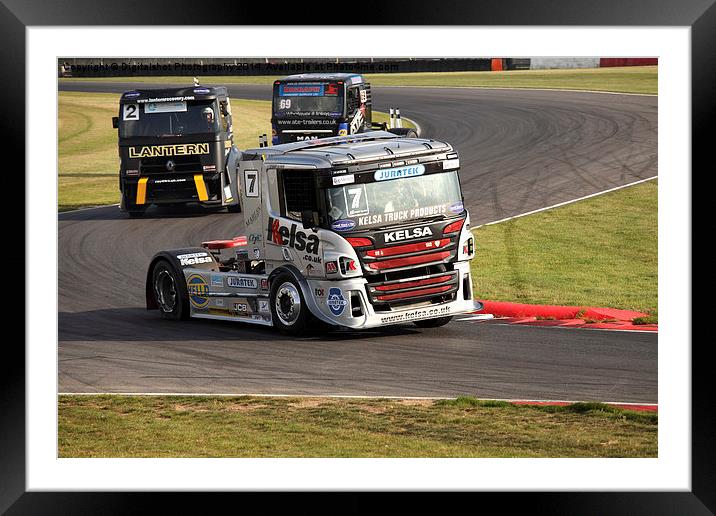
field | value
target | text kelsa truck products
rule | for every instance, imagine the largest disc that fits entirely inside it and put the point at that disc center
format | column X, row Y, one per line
column 313, row 105
column 357, row 232
column 173, row 148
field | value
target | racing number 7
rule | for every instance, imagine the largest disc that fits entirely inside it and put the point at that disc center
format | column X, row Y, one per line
column 251, row 183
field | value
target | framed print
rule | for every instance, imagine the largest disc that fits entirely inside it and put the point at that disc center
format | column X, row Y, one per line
column 103, row 341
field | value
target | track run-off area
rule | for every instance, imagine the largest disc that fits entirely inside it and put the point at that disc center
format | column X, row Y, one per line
column 520, row 151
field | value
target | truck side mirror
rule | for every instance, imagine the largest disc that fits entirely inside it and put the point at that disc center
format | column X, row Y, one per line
column 115, row 122
column 307, row 219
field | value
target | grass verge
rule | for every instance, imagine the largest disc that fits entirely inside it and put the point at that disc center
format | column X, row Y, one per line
column 174, row 426
column 597, row 252
column 628, row 79
column 87, row 144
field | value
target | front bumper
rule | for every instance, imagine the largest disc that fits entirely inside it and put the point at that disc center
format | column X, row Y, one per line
column 345, row 303
column 202, row 188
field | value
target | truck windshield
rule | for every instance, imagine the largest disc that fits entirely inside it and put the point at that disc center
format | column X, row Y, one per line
column 385, row 203
column 308, row 98
column 164, row 119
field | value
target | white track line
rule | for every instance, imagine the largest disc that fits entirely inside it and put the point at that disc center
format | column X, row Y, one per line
column 567, row 202
column 418, row 129
column 338, row 396
column 89, row 208
column 526, row 89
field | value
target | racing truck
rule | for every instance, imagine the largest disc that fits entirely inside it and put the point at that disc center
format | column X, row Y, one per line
column 174, row 145
column 313, row 105
column 363, row 231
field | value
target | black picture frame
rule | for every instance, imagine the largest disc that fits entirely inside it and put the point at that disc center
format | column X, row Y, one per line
column 17, row 15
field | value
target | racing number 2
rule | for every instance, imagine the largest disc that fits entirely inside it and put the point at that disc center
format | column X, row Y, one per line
column 251, row 183
column 131, row 112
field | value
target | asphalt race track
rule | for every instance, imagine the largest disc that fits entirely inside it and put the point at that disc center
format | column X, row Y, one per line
column 520, row 150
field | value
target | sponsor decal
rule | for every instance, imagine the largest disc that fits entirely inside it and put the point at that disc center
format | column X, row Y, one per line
column 264, row 284
column 193, row 258
column 154, row 151
column 165, row 107
column 319, row 292
column 304, row 138
column 336, row 302
column 343, row 225
column 399, row 172
column 131, row 94
column 344, row 180
column 407, row 234
column 241, row 282
column 216, row 281
column 254, row 238
column 166, row 99
column 397, row 216
column 257, row 253
column 451, row 163
column 241, row 308
column 170, row 165
column 331, row 267
column 209, row 168
column 342, row 131
column 198, row 289
column 254, row 216
column 414, row 315
column 219, row 302
column 202, row 91
column 264, row 306
column 457, row 207
column 363, row 96
column 357, row 122
column 301, row 89
column 172, row 180
column 291, row 237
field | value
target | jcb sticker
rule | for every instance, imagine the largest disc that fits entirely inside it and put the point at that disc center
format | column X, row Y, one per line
column 241, row 308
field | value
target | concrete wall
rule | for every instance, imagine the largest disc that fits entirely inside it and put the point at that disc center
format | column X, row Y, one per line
column 543, row 63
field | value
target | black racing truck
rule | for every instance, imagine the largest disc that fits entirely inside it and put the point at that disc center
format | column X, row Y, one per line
column 173, row 148
column 313, row 105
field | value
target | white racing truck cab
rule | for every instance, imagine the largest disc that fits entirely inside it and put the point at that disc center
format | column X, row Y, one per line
column 358, row 232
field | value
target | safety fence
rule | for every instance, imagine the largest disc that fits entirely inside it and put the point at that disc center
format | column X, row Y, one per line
column 132, row 67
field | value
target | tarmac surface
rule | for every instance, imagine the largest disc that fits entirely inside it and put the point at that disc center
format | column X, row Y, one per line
column 520, row 150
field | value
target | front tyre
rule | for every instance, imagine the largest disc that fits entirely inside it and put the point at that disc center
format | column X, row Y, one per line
column 171, row 299
column 433, row 323
column 288, row 307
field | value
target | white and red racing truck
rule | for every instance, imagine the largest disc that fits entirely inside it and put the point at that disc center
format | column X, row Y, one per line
column 358, row 232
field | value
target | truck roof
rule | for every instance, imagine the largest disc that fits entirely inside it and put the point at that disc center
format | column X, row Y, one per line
column 352, row 78
column 172, row 94
column 342, row 150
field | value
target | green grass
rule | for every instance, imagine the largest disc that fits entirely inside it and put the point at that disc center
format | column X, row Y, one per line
column 629, row 79
column 171, row 426
column 88, row 162
column 597, row 252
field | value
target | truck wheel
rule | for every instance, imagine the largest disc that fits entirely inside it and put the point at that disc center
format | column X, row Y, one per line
column 433, row 323
column 288, row 308
column 168, row 292
column 406, row 132
column 134, row 210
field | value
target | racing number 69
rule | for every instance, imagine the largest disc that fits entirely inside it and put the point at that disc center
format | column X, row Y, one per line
column 251, row 183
